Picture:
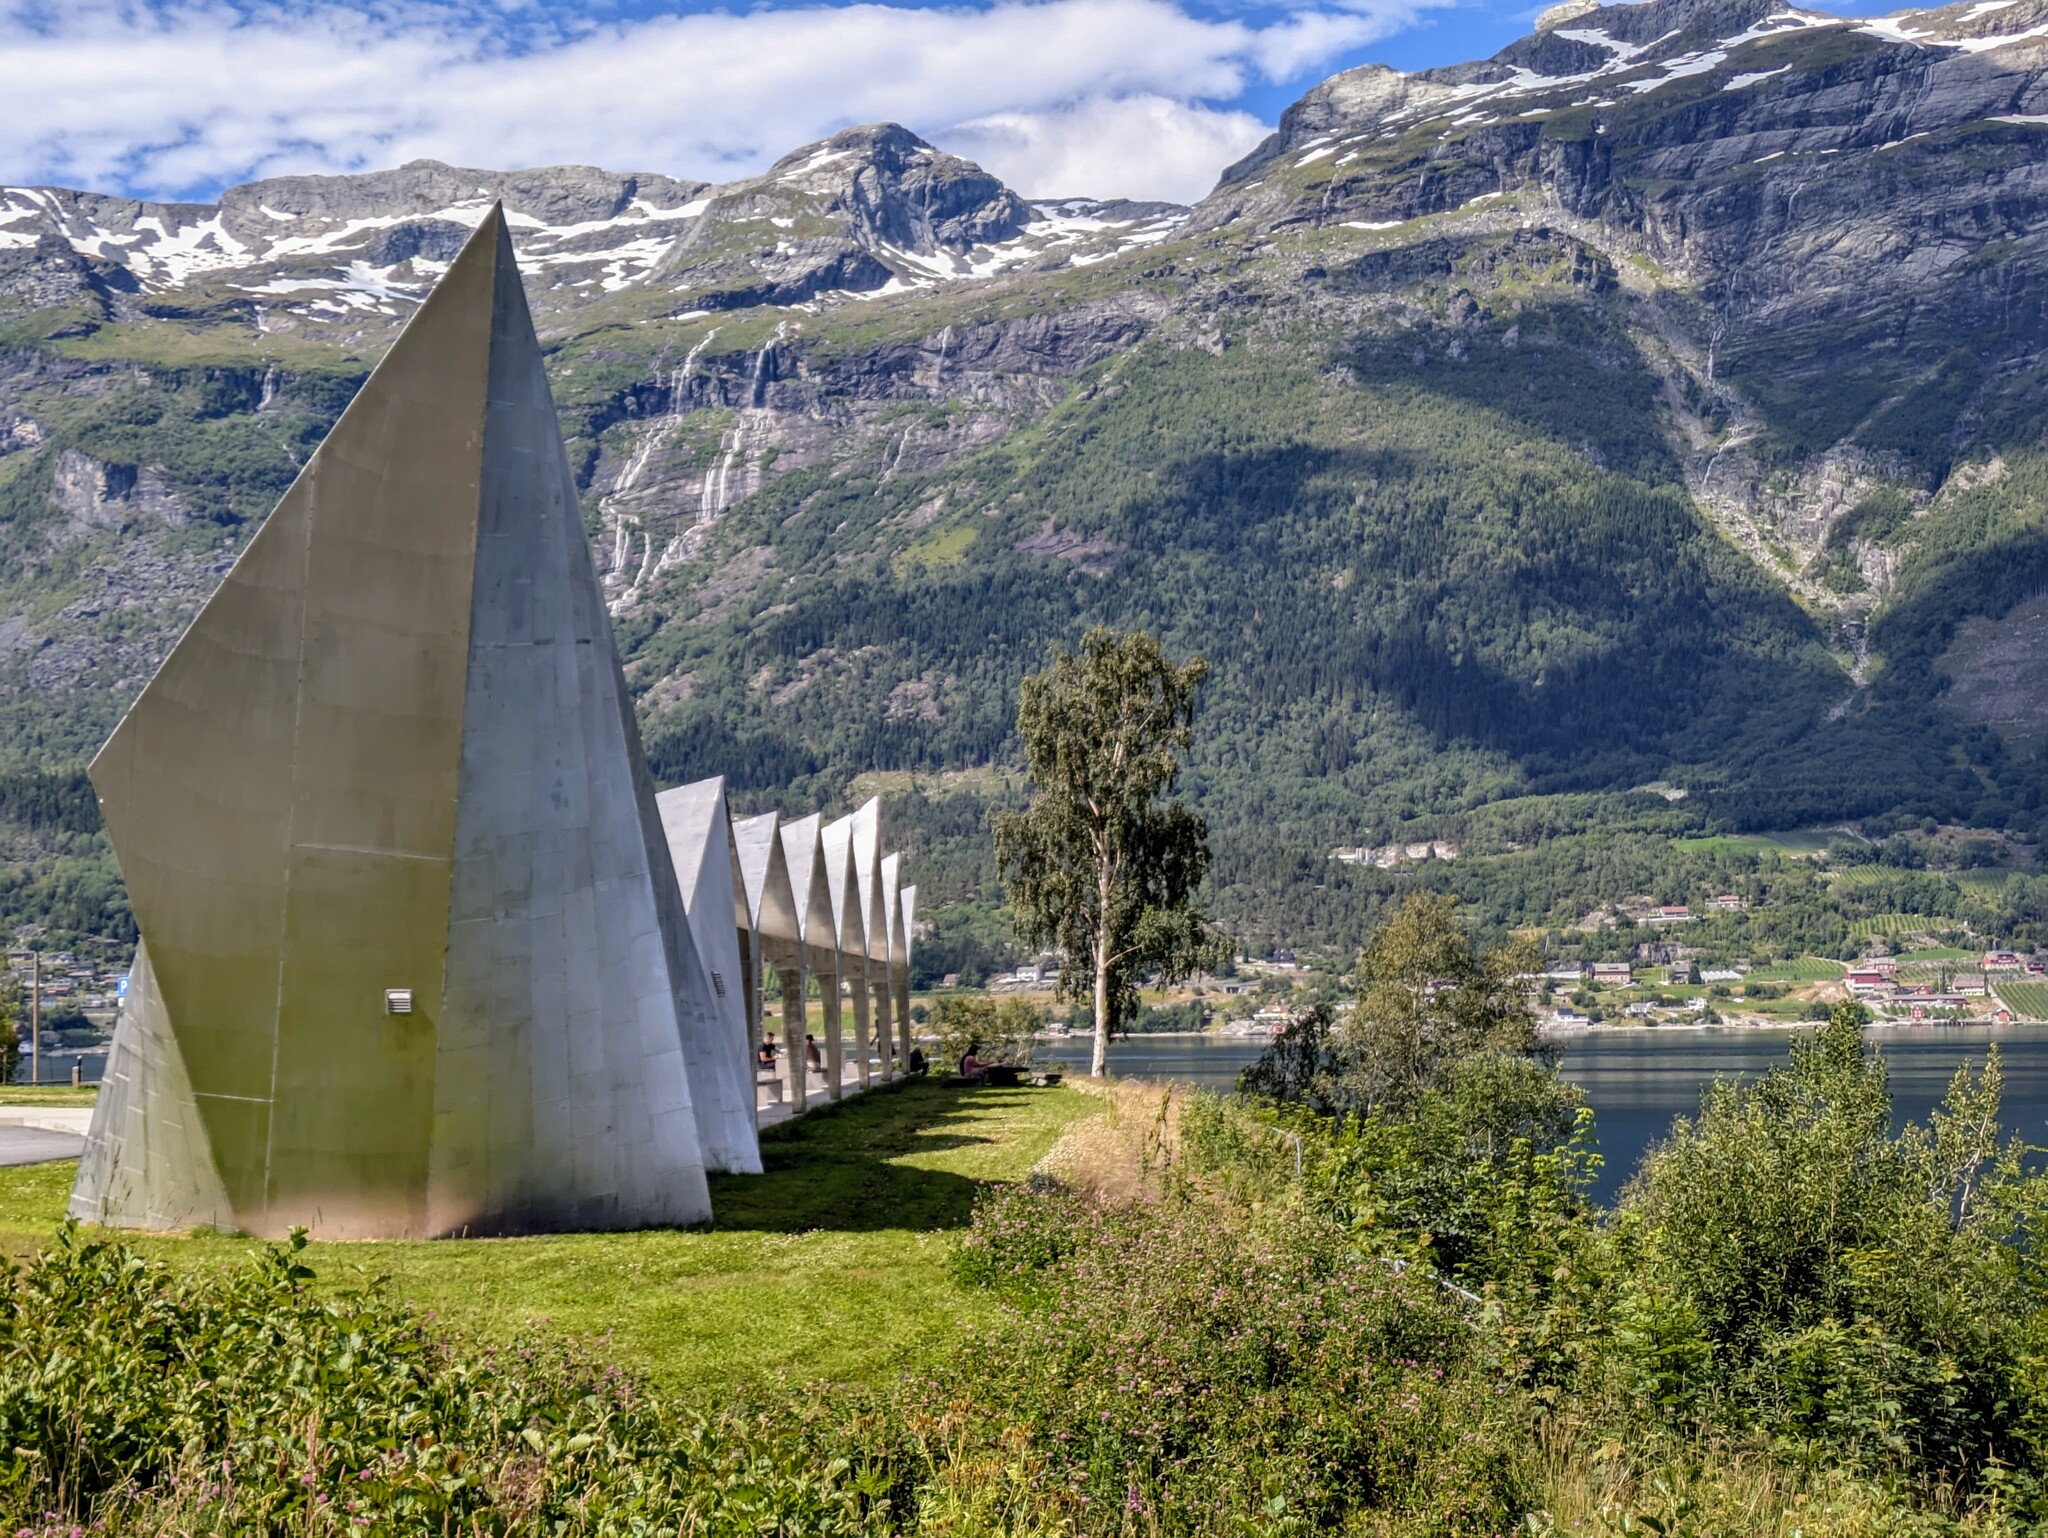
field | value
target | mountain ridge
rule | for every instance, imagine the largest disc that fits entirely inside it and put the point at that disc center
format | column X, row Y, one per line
column 1653, row 403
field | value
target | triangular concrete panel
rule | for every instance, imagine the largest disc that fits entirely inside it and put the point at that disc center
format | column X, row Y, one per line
column 803, row 855
column 146, row 1151
column 390, row 839
column 701, row 844
column 849, row 917
column 867, row 867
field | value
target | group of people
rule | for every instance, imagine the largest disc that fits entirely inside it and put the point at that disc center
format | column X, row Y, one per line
column 814, row 1058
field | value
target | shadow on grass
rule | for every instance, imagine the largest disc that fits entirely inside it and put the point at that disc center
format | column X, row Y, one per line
column 832, row 1168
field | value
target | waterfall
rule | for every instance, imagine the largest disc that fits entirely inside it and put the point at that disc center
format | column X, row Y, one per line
column 652, row 441
column 730, row 442
column 896, row 463
column 683, row 374
column 757, row 393
column 671, row 419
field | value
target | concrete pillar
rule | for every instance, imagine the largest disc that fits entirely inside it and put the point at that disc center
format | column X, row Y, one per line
column 885, row 1037
column 752, row 971
column 862, row 1037
column 795, row 1079
column 899, row 977
column 835, row 1044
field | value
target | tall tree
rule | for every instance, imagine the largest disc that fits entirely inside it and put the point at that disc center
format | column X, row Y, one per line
column 1100, row 864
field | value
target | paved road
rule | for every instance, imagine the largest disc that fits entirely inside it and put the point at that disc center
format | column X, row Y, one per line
column 32, row 1145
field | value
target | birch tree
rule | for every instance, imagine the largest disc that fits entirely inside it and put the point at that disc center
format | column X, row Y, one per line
column 1101, row 865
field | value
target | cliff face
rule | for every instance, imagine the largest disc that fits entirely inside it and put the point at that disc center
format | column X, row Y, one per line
column 1785, row 164
column 1651, row 402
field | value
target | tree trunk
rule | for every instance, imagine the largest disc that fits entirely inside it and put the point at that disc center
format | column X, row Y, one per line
column 1101, row 1063
column 1101, row 1007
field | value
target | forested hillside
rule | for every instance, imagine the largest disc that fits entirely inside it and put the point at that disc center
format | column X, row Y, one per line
column 1659, row 404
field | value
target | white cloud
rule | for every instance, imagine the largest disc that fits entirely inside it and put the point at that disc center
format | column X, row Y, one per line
column 1307, row 39
column 1093, row 146
column 1110, row 97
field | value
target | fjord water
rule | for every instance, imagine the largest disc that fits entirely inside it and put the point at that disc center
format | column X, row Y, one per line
column 1638, row 1080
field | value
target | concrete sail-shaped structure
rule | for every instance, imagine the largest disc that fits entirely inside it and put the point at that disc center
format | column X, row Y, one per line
column 849, row 923
column 899, row 953
column 721, row 1067
column 775, row 937
column 907, row 902
column 414, row 960
column 867, row 868
column 803, row 853
column 768, row 913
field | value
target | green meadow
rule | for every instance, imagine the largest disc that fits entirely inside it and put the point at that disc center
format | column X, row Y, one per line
column 832, row 1264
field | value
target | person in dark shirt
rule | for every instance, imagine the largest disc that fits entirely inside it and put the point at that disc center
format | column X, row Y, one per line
column 813, row 1058
column 918, row 1065
column 766, row 1056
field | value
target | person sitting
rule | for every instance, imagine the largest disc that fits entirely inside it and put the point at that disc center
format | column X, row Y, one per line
column 918, row 1065
column 971, row 1067
column 813, row 1058
column 765, row 1058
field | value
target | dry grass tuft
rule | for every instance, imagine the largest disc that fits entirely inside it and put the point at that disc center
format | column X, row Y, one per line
column 1123, row 1155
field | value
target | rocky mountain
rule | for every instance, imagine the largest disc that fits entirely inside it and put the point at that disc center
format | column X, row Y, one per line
column 1658, row 403
column 869, row 210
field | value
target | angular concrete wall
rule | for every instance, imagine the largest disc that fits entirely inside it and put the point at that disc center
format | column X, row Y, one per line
column 867, row 868
column 147, row 1153
column 804, row 856
column 702, row 847
column 769, row 922
column 898, row 964
column 849, row 926
column 394, row 757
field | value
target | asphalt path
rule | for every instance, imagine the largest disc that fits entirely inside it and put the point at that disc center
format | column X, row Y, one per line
column 32, row 1145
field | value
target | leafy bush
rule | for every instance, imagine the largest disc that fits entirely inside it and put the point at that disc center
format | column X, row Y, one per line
column 1427, row 1002
column 245, row 1402
column 1188, row 1370
column 1789, row 1263
column 1005, row 1032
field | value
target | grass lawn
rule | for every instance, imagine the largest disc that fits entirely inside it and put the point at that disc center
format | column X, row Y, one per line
column 1775, row 1009
column 48, row 1094
column 832, row 1265
column 1798, row 842
column 1804, row 969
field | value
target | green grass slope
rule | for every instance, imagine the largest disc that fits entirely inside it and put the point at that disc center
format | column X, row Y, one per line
column 834, row 1264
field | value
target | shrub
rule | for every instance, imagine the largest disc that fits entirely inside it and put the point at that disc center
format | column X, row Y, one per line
column 1789, row 1263
column 996, row 1033
column 245, row 1402
column 1187, row 1370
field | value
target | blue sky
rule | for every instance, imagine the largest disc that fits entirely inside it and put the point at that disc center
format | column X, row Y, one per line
column 1132, row 98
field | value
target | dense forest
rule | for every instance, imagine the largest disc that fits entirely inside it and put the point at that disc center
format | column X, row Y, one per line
column 1426, row 517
